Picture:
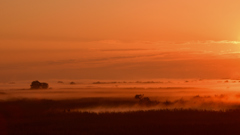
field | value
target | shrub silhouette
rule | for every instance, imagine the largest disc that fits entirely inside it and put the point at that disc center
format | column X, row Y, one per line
column 140, row 96
column 145, row 101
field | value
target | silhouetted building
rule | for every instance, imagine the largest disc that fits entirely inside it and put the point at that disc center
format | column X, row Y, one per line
column 38, row 85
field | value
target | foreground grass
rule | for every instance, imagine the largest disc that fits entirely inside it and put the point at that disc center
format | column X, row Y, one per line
column 23, row 117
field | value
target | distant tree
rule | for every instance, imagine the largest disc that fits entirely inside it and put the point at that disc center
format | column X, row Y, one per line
column 72, row 83
column 44, row 85
column 37, row 85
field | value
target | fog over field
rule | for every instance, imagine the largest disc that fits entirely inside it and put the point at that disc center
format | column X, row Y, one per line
column 99, row 67
column 115, row 96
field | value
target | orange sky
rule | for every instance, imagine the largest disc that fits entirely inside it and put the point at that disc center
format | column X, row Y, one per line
column 120, row 39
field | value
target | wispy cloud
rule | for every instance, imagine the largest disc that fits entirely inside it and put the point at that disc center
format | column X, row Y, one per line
column 123, row 50
column 115, row 59
column 210, row 42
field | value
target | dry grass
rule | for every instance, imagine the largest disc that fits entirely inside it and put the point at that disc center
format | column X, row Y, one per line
column 27, row 116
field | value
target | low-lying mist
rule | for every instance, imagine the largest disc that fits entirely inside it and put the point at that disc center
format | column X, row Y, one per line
column 139, row 102
column 124, row 96
column 216, row 103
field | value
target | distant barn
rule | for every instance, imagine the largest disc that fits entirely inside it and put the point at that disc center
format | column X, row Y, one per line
column 38, row 85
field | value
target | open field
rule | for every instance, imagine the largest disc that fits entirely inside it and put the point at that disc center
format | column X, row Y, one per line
column 104, row 108
column 22, row 117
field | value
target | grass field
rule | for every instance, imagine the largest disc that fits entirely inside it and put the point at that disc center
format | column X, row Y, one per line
column 27, row 116
column 107, row 109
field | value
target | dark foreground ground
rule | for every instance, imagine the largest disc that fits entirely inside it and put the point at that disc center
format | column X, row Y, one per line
column 44, row 117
